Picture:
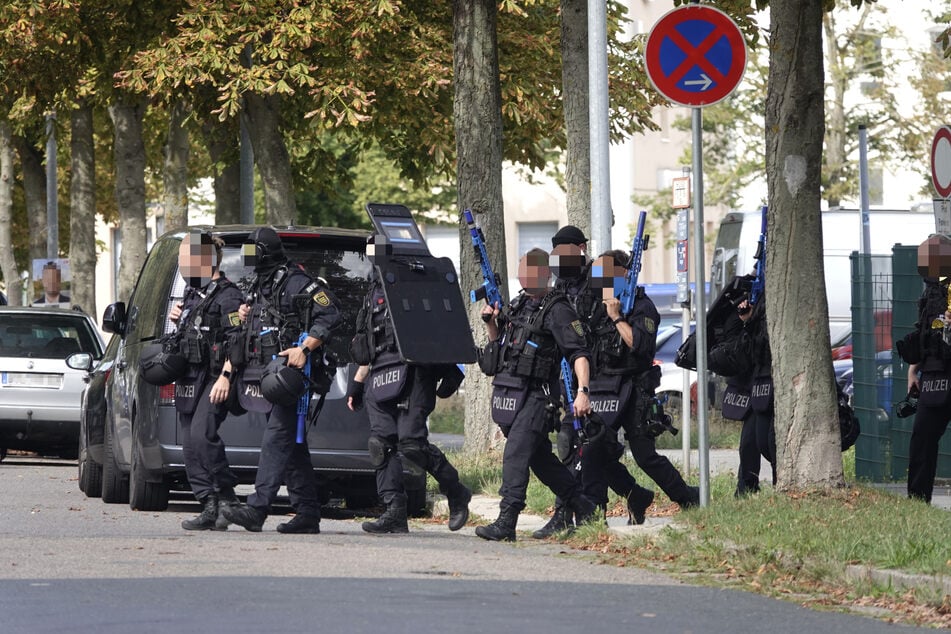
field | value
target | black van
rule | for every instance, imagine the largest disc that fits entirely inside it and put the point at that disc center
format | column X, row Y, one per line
column 142, row 452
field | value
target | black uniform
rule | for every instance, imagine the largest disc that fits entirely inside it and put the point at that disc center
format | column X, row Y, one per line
column 400, row 398
column 535, row 333
column 622, row 386
column 286, row 299
column 207, row 324
column 927, row 348
column 743, row 356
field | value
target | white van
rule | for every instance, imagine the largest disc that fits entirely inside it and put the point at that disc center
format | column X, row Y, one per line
column 841, row 233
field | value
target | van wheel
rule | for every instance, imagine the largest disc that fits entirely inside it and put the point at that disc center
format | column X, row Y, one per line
column 115, row 487
column 3, row 453
column 90, row 472
column 145, row 495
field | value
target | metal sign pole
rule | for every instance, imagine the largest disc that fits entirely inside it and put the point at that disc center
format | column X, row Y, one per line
column 681, row 202
column 701, row 314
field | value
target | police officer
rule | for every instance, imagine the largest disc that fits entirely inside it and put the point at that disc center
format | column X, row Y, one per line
column 743, row 355
column 624, row 362
column 206, row 320
column 526, row 341
column 572, row 268
column 285, row 300
column 399, row 400
column 927, row 350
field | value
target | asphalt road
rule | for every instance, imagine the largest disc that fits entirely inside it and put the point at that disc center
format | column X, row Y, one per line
column 68, row 563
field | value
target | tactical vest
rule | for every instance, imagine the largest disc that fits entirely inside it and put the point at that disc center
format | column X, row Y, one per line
column 274, row 322
column 528, row 350
column 200, row 334
column 380, row 336
column 935, row 352
column 610, row 355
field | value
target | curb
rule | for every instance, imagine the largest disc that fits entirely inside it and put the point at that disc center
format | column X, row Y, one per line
column 899, row 579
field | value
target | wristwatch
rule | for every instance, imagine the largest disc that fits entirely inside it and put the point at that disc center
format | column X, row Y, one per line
column 226, row 374
column 616, row 321
column 306, row 350
column 583, row 389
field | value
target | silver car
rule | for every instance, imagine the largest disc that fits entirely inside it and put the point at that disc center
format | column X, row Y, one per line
column 39, row 394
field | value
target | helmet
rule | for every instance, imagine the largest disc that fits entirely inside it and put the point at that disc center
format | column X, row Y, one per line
column 282, row 384
column 160, row 366
column 268, row 250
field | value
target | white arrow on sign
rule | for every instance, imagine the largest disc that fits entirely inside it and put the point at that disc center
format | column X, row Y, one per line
column 704, row 80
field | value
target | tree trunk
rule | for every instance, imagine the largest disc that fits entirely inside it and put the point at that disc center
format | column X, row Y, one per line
column 222, row 143
column 130, row 191
column 8, row 264
column 271, row 158
column 807, row 436
column 175, row 174
column 82, row 206
column 34, row 190
column 477, row 109
column 574, row 81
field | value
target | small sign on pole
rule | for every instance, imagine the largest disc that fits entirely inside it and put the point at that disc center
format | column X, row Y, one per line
column 680, row 192
column 942, row 216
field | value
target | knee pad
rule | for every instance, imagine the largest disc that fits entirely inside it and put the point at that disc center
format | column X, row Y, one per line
column 380, row 451
column 414, row 451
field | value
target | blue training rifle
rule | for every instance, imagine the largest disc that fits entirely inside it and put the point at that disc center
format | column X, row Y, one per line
column 759, row 281
column 566, row 379
column 629, row 292
column 304, row 403
column 489, row 291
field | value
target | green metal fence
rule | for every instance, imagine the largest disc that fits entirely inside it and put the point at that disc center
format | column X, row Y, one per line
column 885, row 291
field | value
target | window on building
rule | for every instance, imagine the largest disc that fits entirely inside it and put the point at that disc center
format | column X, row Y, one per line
column 876, row 186
column 533, row 235
column 868, row 53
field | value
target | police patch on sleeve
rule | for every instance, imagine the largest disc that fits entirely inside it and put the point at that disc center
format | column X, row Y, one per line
column 234, row 319
column 322, row 299
column 649, row 325
column 576, row 325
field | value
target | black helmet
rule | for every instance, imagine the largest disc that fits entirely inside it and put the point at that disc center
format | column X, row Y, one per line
column 160, row 366
column 268, row 250
column 282, row 384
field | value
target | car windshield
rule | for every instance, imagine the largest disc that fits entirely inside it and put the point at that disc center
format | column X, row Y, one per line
column 43, row 336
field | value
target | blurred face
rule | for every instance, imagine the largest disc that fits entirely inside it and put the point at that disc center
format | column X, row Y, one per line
column 197, row 260
column 379, row 250
column 52, row 279
column 607, row 276
column 534, row 274
column 934, row 257
column 567, row 261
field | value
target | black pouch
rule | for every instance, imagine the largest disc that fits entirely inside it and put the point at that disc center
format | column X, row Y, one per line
column 934, row 389
column 508, row 396
column 450, row 377
column 489, row 358
column 609, row 397
column 249, row 390
column 323, row 372
column 687, row 353
column 761, row 394
column 188, row 389
column 360, row 349
column 736, row 403
column 387, row 378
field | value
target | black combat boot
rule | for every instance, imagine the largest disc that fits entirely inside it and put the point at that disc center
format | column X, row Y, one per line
column 459, row 506
column 248, row 517
column 637, row 502
column 393, row 519
column 586, row 511
column 226, row 497
column 206, row 521
column 502, row 529
column 691, row 499
column 300, row 523
column 560, row 521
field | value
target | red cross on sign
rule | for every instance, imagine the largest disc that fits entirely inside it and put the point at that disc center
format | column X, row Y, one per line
column 695, row 55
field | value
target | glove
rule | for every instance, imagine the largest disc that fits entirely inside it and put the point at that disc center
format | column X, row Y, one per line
column 355, row 392
column 450, row 379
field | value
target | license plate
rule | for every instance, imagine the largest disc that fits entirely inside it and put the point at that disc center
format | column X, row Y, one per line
column 31, row 379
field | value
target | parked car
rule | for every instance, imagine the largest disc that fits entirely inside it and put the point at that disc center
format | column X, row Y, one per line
column 40, row 395
column 142, row 453
column 92, row 420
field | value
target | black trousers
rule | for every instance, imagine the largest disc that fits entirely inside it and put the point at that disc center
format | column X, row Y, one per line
column 528, row 448
column 401, row 424
column 930, row 424
column 757, row 439
column 206, row 464
column 284, row 461
column 601, row 468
